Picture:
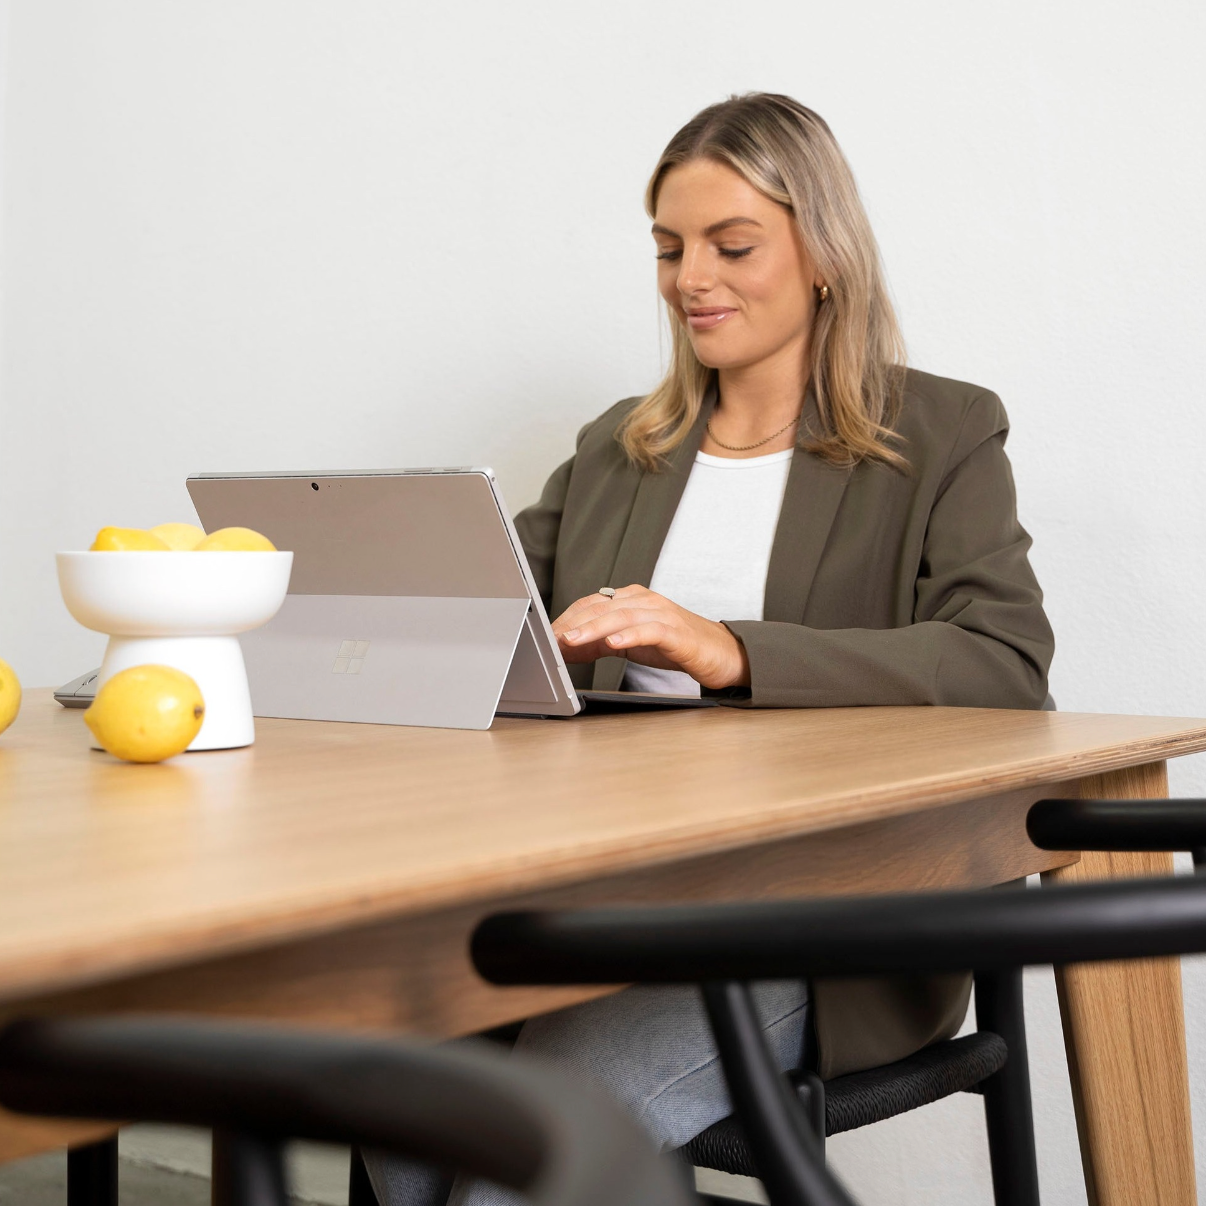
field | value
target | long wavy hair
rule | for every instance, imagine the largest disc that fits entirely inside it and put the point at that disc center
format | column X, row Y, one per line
column 856, row 353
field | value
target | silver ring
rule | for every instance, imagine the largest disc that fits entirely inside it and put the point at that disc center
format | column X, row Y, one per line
column 607, row 592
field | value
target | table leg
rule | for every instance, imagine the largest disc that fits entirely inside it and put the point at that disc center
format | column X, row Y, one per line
column 360, row 1187
column 1124, row 1030
column 92, row 1174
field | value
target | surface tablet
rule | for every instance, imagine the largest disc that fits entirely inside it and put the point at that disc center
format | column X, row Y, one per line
column 411, row 600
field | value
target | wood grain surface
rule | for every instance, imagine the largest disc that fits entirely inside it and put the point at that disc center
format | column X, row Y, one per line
column 330, row 873
column 1124, row 1033
column 109, row 869
column 412, row 973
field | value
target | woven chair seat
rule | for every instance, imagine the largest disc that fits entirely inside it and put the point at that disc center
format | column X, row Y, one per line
column 861, row 1098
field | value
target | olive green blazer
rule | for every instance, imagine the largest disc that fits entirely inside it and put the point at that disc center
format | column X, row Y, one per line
column 884, row 587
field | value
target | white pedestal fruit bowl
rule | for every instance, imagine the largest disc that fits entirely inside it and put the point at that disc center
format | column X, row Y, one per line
column 183, row 610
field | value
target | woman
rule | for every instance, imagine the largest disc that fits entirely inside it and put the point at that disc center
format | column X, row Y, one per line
column 791, row 518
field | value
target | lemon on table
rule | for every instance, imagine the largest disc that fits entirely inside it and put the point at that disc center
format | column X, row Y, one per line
column 127, row 540
column 179, row 537
column 146, row 713
column 10, row 695
column 235, row 540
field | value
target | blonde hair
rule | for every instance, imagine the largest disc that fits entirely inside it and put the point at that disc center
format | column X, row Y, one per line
column 856, row 353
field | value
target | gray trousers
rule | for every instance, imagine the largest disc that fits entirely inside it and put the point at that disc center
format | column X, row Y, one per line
column 650, row 1047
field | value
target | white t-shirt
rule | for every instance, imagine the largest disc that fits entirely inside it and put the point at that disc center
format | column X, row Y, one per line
column 717, row 551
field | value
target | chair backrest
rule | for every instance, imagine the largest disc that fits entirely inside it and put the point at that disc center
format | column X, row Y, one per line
column 1120, row 825
column 898, row 934
column 479, row 1111
column 723, row 947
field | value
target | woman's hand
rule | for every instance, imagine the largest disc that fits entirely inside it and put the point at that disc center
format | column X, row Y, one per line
column 649, row 629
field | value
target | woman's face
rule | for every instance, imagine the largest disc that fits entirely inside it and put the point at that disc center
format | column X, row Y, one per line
column 732, row 267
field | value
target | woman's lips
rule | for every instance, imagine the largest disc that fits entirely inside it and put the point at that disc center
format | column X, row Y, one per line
column 704, row 320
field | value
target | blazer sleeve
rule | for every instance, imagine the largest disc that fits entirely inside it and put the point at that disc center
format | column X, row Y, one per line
column 979, row 636
column 539, row 526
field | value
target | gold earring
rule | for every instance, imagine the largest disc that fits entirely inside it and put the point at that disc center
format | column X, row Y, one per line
column 824, row 293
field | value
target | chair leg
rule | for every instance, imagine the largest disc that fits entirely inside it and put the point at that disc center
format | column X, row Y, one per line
column 360, row 1187
column 811, row 1091
column 780, row 1134
column 92, row 1174
column 1007, row 1108
column 247, row 1170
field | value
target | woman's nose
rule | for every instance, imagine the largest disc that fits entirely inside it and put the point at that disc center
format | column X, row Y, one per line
column 694, row 271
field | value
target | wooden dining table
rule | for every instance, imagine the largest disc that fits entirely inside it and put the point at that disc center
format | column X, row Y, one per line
column 330, row 874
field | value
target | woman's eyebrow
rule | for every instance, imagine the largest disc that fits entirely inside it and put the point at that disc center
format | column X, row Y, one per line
column 715, row 228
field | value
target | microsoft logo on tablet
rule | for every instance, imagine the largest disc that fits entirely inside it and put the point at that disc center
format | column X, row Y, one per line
column 350, row 657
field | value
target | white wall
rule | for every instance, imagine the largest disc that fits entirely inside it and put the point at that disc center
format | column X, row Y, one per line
column 264, row 234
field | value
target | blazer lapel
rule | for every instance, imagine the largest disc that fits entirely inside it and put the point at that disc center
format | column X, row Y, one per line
column 810, row 505
column 653, row 509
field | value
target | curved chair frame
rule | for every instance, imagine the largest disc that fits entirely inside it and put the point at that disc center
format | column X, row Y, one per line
column 897, row 934
column 1120, row 825
column 524, row 1126
column 723, row 947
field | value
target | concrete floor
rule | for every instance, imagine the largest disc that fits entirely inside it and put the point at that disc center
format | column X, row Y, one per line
column 42, row 1181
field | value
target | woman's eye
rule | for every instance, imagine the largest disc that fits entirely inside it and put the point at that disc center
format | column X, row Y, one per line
column 730, row 253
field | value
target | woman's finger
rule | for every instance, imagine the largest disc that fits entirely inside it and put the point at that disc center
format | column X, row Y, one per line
column 654, row 633
column 581, row 610
column 574, row 654
column 614, row 619
column 590, row 606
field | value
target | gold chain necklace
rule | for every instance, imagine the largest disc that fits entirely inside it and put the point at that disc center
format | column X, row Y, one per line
column 747, row 447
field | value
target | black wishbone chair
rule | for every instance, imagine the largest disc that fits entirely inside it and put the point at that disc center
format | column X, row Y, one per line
column 1140, row 825
column 993, row 933
column 474, row 1110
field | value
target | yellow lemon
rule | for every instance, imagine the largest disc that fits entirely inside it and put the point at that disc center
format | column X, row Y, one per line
column 235, row 540
column 146, row 713
column 127, row 540
column 10, row 696
column 179, row 537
